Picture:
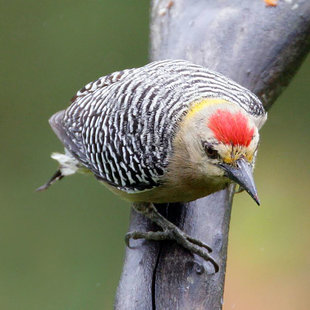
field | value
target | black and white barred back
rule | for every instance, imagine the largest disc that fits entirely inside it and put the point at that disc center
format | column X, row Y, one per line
column 122, row 125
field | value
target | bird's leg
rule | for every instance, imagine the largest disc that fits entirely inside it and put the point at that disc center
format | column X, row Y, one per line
column 170, row 232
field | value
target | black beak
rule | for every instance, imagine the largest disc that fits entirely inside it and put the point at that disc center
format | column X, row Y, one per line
column 242, row 174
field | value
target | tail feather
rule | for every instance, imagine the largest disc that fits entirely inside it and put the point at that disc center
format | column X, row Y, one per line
column 57, row 176
column 67, row 165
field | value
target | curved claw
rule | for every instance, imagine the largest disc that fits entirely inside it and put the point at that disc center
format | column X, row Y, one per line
column 199, row 243
column 127, row 239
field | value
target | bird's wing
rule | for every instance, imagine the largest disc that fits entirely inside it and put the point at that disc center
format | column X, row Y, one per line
column 99, row 130
column 70, row 135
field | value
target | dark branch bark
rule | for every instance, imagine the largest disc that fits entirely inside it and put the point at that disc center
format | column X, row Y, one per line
column 261, row 48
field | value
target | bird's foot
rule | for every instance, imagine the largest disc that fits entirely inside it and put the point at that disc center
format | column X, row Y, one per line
column 170, row 232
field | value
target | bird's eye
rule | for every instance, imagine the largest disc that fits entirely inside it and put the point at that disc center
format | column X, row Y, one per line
column 210, row 151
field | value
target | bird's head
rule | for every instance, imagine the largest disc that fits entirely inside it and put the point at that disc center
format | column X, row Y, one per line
column 221, row 140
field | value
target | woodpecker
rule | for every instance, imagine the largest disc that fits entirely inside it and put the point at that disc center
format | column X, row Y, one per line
column 171, row 131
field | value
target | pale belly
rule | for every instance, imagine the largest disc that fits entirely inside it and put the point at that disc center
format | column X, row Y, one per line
column 173, row 193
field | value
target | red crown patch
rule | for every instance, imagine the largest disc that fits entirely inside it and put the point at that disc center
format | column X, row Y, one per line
column 231, row 128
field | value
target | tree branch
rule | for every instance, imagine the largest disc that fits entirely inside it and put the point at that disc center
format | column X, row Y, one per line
column 257, row 46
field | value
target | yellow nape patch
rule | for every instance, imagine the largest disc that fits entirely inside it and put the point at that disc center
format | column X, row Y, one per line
column 199, row 105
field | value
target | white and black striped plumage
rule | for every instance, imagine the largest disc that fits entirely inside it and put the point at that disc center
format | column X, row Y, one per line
column 122, row 126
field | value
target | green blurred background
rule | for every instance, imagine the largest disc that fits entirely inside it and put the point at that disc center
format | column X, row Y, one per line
column 63, row 249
